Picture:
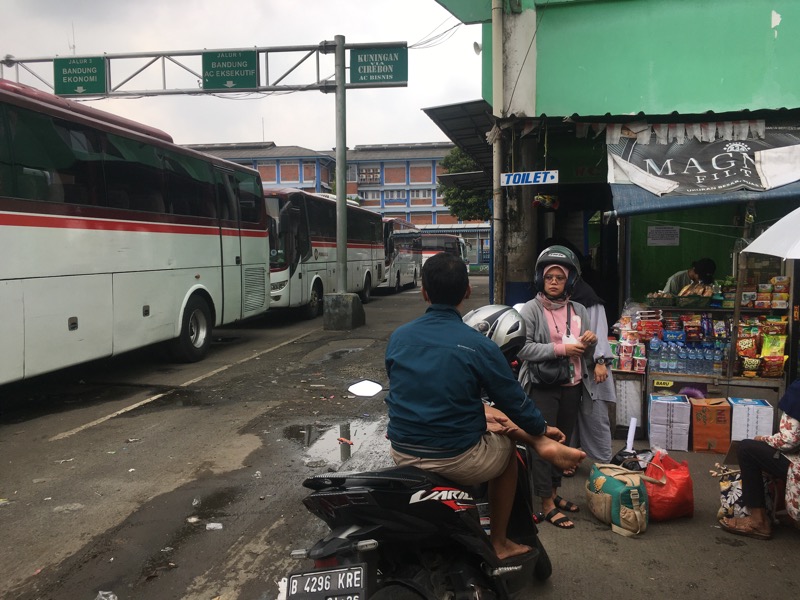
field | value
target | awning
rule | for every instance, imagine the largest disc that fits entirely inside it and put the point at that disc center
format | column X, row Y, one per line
column 632, row 200
column 466, row 125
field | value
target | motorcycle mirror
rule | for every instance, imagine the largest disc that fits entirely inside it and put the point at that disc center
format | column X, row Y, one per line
column 365, row 388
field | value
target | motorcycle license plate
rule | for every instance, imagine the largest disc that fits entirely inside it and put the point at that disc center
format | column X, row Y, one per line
column 344, row 583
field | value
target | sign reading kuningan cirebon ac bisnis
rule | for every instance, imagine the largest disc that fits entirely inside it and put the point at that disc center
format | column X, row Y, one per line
column 379, row 65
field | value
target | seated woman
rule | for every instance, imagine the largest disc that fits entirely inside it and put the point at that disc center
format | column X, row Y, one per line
column 777, row 455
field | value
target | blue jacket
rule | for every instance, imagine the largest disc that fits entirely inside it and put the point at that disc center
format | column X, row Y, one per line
column 437, row 368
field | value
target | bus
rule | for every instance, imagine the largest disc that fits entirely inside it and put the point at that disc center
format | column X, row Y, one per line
column 433, row 243
column 403, row 250
column 115, row 238
column 303, row 257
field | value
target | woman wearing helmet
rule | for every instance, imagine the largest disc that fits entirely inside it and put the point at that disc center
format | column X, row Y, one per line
column 556, row 327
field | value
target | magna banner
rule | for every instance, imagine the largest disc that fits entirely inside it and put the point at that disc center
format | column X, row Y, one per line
column 767, row 157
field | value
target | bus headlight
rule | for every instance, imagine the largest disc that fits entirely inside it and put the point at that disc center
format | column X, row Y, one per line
column 277, row 287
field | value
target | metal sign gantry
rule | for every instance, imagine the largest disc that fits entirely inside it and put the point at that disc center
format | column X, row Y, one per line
column 373, row 65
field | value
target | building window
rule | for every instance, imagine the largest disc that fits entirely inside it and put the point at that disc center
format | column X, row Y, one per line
column 352, row 172
column 371, row 195
column 416, row 194
column 395, row 194
column 369, row 174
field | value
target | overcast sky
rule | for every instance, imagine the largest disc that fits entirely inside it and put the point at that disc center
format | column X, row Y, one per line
column 447, row 72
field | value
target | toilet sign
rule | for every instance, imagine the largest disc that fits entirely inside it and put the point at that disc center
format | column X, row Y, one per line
column 529, row 178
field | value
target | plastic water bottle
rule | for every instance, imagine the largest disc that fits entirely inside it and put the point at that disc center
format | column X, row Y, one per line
column 673, row 358
column 718, row 361
column 708, row 355
column 681, row 368
column 691, row 360
column 663, row 359
column 653, row 356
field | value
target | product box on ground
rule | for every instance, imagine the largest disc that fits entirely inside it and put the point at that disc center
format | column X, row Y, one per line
column 668, row 421
column 669, row 409
column 670, row 437
column 711, row 425
column 750, row 417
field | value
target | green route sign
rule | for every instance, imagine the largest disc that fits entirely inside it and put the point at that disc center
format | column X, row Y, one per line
column 230, row 70
column 79, row 76
column 379, row 65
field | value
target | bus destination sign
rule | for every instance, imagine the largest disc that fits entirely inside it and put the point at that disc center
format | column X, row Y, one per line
column 379, row 65
column 77, row 76
column 230, row 70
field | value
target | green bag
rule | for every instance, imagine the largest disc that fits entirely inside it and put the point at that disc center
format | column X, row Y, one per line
column 617, row 496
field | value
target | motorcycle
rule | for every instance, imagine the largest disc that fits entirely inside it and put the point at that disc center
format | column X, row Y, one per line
column 404, row 533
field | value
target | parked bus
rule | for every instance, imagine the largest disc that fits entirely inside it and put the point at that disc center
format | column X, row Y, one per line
column 403, row 250
column 115, row 238
column 433, row 243
column 303, row 256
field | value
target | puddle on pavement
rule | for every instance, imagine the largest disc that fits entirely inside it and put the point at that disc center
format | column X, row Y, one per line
column 321, row 443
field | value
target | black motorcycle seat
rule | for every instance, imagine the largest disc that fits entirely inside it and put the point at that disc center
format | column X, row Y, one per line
column 389, row 478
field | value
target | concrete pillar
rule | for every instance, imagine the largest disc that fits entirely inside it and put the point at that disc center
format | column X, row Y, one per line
column 342, row 312
column 521, row 229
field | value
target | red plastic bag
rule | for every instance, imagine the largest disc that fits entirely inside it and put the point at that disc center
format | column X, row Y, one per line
column 676, row 498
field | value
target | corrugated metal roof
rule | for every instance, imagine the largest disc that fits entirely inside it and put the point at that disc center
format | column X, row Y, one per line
column 257, row 151
column 466, row 124
column 388, row 152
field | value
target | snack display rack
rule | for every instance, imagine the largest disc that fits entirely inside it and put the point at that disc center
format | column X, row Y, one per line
column 729, row 381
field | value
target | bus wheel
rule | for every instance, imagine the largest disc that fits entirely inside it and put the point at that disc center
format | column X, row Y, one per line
column 366, row 293
column 195, row 338
column 314, row 307
column 397, row 287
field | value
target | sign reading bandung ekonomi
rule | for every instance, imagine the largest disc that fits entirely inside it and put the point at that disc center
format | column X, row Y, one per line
column 79, row 76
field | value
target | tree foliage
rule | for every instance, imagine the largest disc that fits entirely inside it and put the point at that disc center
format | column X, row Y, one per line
column 464, row 204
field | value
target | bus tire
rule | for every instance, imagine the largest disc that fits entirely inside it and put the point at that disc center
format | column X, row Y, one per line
column 195, row 338
column 366, row 293
column 397, row 287
column 314, row 307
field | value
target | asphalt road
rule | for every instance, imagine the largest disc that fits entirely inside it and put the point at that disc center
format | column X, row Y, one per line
column 113, row 472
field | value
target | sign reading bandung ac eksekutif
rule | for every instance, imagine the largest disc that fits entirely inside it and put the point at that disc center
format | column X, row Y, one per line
column 230, row 70
column 529, row 178
column 379, row 65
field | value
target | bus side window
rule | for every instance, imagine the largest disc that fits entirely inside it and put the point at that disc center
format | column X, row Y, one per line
column 135, row 167
column 251, row 201
column 189, row 186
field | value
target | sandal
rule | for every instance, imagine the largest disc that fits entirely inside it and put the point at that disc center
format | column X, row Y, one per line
column 569, row 472
column 560, row 523
column 745, row 530
column 563, row 504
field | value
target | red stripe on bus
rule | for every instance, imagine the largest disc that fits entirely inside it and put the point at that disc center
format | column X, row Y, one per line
column 349, row 245
column 28, row 220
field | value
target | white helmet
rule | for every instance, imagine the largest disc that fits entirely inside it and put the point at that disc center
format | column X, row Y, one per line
column 501, row 324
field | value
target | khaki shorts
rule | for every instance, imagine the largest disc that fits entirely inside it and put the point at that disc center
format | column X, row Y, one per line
column 484, row 461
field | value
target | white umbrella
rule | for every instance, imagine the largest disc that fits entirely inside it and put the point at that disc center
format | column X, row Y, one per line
column 782, row 239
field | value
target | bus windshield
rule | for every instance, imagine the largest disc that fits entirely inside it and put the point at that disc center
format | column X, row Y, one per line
column 277, row 251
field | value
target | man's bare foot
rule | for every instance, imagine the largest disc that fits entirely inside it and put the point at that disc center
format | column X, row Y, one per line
column 563, row 457
column 507, row 549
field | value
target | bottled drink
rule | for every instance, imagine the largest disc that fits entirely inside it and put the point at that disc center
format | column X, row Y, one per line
column 691, row 360
column 681, row 365
column 654, row 354
column 718, row 361
column 673, row 358
column 708, row 367
column 663, row 359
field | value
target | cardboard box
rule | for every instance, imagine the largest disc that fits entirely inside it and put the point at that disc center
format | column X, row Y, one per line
column 670, row 437
column 750, row 417
column 711, row 425
column 668, row 422
column 669, row 409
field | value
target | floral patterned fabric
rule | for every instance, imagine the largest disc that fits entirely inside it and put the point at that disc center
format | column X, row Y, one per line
column 787, row 440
